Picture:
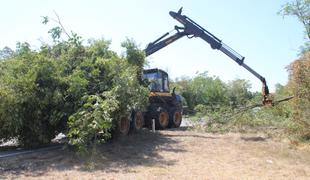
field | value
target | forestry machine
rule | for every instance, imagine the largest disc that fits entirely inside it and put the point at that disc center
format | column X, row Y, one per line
column 165, row 107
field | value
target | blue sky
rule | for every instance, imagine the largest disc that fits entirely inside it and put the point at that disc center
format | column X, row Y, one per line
column 253, row 28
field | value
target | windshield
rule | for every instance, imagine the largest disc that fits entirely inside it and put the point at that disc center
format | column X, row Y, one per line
column 158, row 82
column 154, row 80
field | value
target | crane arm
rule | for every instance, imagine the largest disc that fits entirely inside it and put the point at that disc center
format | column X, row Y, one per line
column 161, row 43
column 192, row 29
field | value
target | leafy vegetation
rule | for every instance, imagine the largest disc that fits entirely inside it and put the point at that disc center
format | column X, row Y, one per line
column 204, row 93
column 216, row 106
column 299, row 84
column 301, row 10
column 81, row 90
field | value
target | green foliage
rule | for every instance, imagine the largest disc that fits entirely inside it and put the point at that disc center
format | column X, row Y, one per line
column 68, row 87
column 135, row 57
column 202, row 90
column 299, row 84
column 213, row 93
column 301, row 10
column 23, row 48
column 92, row 123
column 6, row 53
column 29, row 92
column 239, row 93
column 270, row 120
column 208, row 90
column 221, row 107
column 55, row 32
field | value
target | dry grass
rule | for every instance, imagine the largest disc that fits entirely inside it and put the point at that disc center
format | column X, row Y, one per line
column 173, row 154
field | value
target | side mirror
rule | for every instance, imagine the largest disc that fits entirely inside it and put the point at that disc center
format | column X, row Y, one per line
column 173, row 90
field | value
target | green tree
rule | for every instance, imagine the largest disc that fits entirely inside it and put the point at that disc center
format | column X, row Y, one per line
column 135, row 56
column 299, row 83
column 6, row 53
column 202, row 89
column 239, row 92
column 301, row 10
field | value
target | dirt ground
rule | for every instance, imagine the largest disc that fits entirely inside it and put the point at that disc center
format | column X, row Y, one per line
column 173, row 154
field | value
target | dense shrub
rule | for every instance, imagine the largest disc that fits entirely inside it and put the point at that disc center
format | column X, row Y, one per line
column 68, row 87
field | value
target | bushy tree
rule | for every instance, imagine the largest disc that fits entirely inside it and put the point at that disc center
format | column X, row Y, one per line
column 301, row 10
column 30, row 91
column 299, row 83
column 82, row 90
column 212, row 93
column 202, row 89
column 239, row 92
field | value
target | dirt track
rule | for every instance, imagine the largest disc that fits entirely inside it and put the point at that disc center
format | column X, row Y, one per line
column 173, row 154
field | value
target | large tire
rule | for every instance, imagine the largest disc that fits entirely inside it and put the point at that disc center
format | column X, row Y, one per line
column 162, row 119
column 138, row 121
column 124, row 126
column 175, row 119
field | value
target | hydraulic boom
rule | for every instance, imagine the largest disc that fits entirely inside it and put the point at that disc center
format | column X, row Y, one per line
column 192, row 29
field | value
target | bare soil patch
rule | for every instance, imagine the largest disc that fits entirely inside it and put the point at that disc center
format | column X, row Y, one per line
column 173, row 154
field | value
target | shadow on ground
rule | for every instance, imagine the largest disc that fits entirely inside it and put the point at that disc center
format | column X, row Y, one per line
column 121, row 154
column 255, row 138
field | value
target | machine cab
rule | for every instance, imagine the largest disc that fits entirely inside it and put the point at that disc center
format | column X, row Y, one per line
column 157, row 79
